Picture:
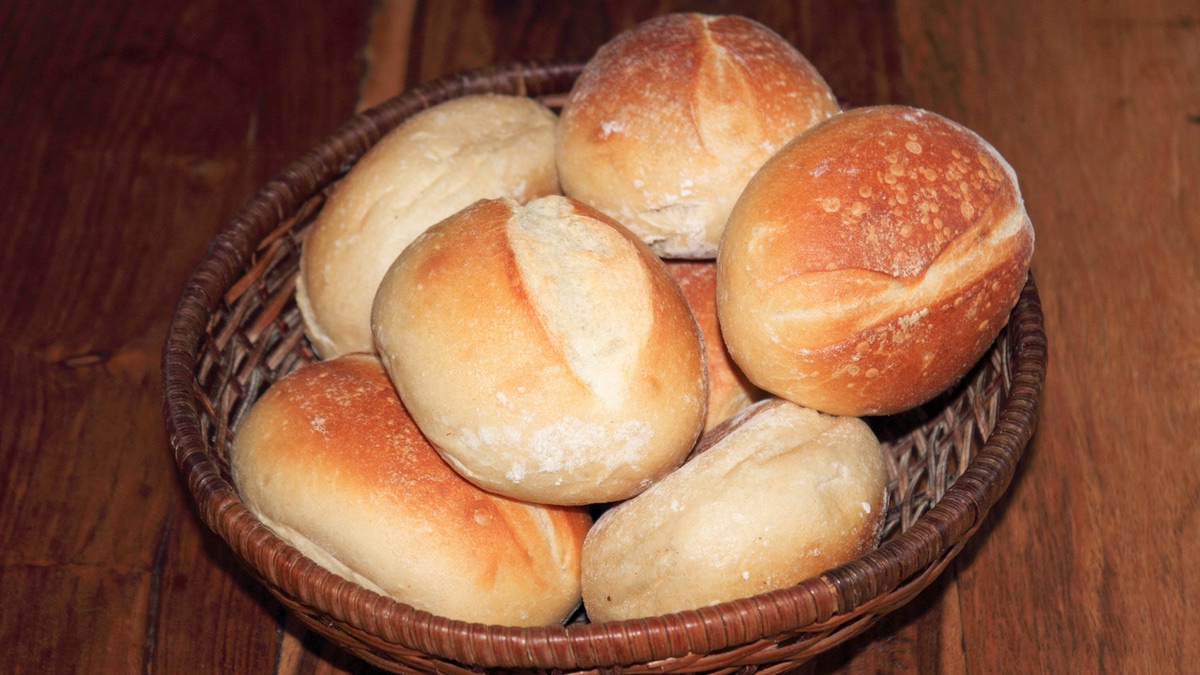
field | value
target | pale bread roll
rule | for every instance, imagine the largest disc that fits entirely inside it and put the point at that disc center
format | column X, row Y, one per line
column 436, row 163
column 544, row 350
column 669, row 120
column 872, row 261
column 780, row 494
column 330, row 461
column 728, row 389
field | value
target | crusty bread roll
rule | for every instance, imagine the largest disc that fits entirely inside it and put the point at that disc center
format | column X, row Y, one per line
column 668, row 122
column 780, row 494
column 544, row 350
column 728, row 389
column 872, row 261
column 330, row 461
column 436, row 163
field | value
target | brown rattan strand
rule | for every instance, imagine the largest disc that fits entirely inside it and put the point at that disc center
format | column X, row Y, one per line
column 236, row 330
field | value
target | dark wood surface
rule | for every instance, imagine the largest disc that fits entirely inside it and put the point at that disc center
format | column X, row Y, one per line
column 130, row 132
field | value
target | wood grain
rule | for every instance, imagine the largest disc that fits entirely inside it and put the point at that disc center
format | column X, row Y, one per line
column 1094, row 106
column 855, row 50
column 386, row 52
column 134, row 129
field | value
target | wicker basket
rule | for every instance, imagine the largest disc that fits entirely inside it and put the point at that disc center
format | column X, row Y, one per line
column 236, row 330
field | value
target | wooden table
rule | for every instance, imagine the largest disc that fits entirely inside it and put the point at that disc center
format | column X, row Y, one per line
column 132, row 131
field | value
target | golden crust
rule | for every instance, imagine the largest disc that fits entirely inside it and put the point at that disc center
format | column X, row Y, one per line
column 871, row 262
column 544, row 350
column 728, row 389
column 329, row 458
column 668, row 121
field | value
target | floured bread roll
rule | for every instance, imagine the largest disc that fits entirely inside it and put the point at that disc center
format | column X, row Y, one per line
column 544, row 350
column 439, row 161
column 728, row 389
column 330, row 461
column 668, row 122
column 872, row 261
column 781, row 494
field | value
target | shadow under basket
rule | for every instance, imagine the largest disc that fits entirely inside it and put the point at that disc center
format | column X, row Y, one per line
column 237, row 329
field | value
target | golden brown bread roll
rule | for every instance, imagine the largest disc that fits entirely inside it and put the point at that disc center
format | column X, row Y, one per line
column 439, row 161
column 668, row 121
column 728, row 389
column 330, row 461
column 872, row 261
column 544, row 350
column 780, row 494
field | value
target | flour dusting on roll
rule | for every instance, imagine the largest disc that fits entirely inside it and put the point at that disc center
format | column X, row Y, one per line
column 780, row 494
column 544, row 350
column 669, row 120
column 872, row 261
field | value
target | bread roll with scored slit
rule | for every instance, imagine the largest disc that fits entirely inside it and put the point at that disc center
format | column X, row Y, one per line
column 872, row 261
column 668, row 121
column 329, row 459
column 777, row 494
column 544, row 350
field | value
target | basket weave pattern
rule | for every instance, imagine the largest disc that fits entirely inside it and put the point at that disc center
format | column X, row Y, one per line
column 237, row 329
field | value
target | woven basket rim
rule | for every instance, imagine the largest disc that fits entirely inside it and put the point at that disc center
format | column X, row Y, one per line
column 812, row 602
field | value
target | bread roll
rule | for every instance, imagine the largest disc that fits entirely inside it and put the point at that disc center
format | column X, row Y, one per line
column 668, row 121
column 781, row 494
column 436, row 163
column 872, row 261
column 544, row 350
column 330, row 461
column 728, row 389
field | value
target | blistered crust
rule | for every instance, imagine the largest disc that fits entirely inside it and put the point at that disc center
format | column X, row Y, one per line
column 872, row 261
